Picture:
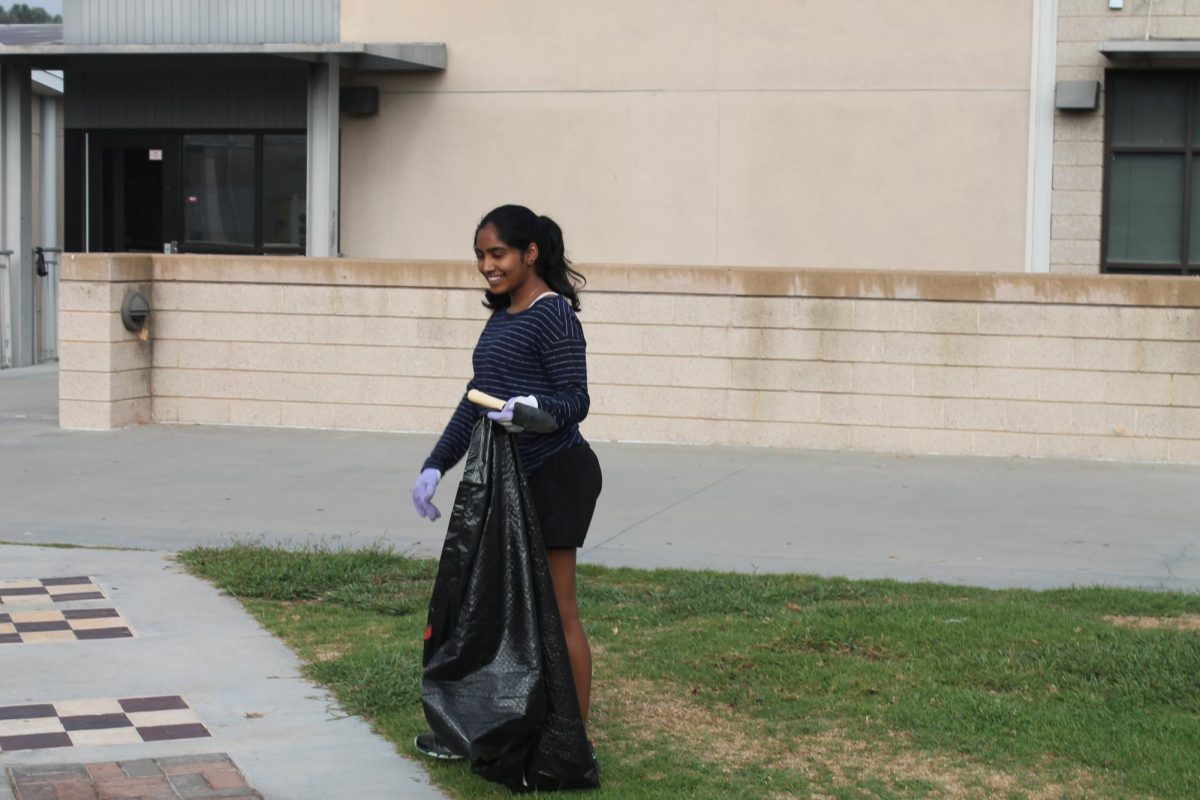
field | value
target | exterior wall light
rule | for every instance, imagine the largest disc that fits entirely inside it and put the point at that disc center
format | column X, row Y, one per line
column 134, row 311
column 359, row 101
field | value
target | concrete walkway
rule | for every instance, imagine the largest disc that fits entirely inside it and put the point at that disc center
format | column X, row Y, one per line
column 287, row 735
column 983, row 521
column 988, row 522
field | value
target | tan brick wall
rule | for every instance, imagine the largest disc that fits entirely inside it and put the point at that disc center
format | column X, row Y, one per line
column 1078, row 181
column 1056, row 366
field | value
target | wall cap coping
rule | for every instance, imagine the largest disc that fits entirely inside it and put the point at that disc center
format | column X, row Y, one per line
column 106, row 267
column 980, row 287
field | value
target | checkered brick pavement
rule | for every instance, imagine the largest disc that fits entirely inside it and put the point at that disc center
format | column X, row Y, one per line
column 71, row 625
column 56, row 590
column 178, row 778
column 98, row 722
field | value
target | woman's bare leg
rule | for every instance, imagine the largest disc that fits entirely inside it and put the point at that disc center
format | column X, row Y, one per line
column 562, row 574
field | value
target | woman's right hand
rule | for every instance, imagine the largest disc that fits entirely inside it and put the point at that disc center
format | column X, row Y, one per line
column 422, row 493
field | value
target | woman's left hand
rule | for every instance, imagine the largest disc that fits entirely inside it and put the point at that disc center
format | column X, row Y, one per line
column 505, row 415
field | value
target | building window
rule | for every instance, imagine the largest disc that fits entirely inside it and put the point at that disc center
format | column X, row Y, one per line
column 218, row 191
column 1152, row 191
column 244, row 192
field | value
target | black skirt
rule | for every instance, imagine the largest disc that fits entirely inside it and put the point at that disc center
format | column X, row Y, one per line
column 564, row 489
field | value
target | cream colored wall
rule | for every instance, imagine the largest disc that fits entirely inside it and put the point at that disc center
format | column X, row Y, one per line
column 1078, row 199
column 1028, row 365
column 710, row 132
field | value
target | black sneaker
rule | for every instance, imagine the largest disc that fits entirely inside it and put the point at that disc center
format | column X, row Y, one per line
column 428, row 744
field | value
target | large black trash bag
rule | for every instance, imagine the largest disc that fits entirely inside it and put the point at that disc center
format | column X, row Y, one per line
column 497, row 684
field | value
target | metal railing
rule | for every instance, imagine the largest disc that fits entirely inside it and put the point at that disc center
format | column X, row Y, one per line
column 45, row 306
column 46, row 302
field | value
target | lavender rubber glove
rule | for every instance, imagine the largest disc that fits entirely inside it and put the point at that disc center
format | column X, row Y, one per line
column 422, row 493
column 505, row 415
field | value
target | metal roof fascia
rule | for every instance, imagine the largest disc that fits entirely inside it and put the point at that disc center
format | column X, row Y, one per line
column 1125, row 49
column 379, row 57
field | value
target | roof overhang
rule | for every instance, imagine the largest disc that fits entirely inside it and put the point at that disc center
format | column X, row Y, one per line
column 48, row 83
column 411, row 57
column 1151, row 49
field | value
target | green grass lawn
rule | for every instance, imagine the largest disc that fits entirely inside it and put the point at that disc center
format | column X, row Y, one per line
column 777, row 686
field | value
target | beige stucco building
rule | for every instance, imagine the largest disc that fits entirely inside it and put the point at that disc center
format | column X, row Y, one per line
column 868, row 225
column 813, row 135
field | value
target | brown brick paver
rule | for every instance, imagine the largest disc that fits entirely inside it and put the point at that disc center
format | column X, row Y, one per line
column 176, row 778
column 107, row 770
column 76, row 790
column 45, row 791
column 133, row 785
column 229, row 779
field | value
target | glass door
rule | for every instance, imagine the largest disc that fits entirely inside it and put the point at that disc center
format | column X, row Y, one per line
column 133, row 186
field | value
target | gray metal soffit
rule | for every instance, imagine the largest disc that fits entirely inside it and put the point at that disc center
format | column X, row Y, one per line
column 400, row 57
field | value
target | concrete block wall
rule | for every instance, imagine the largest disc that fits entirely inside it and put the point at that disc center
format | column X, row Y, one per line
column 1046, row 366
column 346, row 357
column 104, row 370
column 1078, row 179
column 971, row 376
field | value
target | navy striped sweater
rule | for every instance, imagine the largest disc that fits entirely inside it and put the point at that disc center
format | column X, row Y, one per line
column 539, row 351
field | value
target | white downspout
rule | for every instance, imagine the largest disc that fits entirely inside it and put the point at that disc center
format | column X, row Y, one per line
column 1041, row 136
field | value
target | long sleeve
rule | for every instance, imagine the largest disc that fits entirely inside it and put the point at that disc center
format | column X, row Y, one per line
column 564, row 357
column 455, row 440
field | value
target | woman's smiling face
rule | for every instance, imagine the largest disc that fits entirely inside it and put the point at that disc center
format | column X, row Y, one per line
column 505, row 268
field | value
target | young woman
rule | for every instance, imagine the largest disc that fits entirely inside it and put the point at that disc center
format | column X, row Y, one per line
column 531, row 351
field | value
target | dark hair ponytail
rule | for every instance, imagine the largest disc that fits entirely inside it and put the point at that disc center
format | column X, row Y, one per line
column 518, row 227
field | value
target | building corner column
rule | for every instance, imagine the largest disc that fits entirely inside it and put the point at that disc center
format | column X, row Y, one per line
column 48, row 230
column 16, row 202
column 324, row 138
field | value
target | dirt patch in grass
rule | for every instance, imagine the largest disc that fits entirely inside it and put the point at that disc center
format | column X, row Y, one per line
column 849, row 760
column 831, row 760
column 328, row 653
column 652, row 711
column 1187, row 622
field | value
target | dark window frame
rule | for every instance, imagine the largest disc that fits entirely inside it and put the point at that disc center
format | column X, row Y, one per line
column 1190, row 149
column 83, row 197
